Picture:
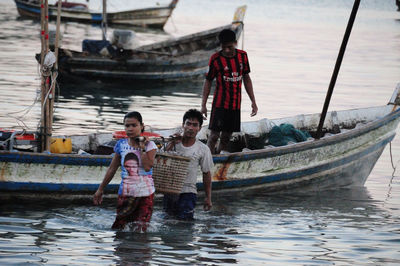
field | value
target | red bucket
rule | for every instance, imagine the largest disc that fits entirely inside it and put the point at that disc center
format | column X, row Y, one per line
column 26, row 136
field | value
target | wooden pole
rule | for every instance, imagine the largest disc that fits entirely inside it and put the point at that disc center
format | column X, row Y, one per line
column 57, row 33
column 104, row 20
column 337, row 67
column 44, row 119
column 47, row 100
column 46, row 24
column 42, row 84
column 42, row 33
column 51, row 84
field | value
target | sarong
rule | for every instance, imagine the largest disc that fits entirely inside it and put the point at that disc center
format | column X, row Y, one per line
column 136, row 210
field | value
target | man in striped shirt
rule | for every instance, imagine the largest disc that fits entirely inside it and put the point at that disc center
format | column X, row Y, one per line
column 229, row 67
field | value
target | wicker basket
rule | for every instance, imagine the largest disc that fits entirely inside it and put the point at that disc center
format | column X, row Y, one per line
column 169, row 172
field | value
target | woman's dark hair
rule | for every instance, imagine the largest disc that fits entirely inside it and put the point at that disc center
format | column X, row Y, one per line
column 130, row 156
column 136, row 115
column 193, row 113
column 226, row 36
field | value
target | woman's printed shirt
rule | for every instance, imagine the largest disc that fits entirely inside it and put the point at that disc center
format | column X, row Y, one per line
column 136, row 182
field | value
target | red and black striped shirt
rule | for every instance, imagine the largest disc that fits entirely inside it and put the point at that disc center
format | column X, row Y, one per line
column 228, row 72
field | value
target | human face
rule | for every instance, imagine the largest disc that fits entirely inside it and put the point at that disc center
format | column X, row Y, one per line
column 133, row 128
column 191, row 127
column 132, row 166
column 228, row 49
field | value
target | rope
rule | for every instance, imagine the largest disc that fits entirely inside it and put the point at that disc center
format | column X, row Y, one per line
column 173, row 23
column 25, row 111
column 53, row 82
column 391, row 160
column 388, row 194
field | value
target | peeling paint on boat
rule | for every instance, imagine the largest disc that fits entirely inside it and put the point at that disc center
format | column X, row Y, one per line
column 343, row 159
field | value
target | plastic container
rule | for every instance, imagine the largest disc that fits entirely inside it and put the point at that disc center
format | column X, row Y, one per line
column 61, row 145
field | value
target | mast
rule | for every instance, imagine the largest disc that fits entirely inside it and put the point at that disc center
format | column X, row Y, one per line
column 44, row 33
column 48, row 78
column 337, row 67
column 104, row 20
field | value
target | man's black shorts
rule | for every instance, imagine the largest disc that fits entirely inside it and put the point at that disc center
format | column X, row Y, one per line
column 225, row 120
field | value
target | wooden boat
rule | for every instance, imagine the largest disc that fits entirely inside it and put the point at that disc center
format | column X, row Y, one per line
column 182, row 58
column 353, row 142
column 154, row 17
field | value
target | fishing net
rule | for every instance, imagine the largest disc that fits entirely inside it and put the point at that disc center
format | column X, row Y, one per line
column 283, row 134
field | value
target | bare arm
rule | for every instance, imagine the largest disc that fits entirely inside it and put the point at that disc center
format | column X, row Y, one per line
column 175, row 139
column 148, row 159
column 206, row 92
column 249, row 89
column 207, row 189
column 114, row 165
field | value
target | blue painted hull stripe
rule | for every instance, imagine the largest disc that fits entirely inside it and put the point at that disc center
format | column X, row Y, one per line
column 95, row 17
column 53, row 187
column 28, row 8
column 76, row 188
column 55, row 159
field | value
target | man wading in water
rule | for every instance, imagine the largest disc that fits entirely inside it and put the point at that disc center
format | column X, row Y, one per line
column 229, row 67
column 182, row 206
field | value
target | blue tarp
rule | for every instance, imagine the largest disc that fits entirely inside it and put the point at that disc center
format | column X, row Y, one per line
column 94, row 46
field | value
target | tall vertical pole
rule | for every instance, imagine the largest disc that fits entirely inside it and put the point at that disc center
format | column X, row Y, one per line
column 337, row 67
column 104, row 20
column 44, row 119
column 51, row 92
column 57, row 33
column 42, row 83
column 47, row 83
column 42, row 31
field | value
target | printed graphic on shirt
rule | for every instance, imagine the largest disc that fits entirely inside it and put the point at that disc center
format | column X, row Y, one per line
column 135, row 181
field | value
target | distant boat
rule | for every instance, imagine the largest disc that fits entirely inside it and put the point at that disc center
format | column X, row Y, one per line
column 154, row 17
column 181, row 58
column 345, row 156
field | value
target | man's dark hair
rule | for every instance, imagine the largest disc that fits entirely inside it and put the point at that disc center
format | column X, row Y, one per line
column 193, row 113
column 226, row 36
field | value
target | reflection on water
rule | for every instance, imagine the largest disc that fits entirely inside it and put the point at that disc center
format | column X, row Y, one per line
column 102, row 109
column 320, row 227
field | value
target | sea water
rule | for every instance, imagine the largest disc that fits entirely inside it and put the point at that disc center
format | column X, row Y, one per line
column 292, row 47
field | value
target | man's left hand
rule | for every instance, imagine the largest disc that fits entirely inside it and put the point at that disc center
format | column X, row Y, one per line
column 254, row 109
column 207, row 204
